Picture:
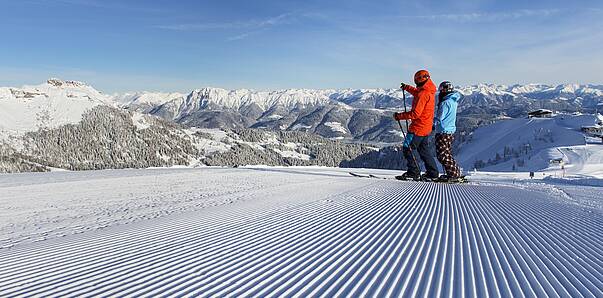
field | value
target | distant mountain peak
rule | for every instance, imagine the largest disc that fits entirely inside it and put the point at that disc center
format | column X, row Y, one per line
column 62, row 83
column 51, row 104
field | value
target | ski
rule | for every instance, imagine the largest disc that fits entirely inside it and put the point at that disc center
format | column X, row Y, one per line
column 461, row 180
column 359, row 175
column 369, row 176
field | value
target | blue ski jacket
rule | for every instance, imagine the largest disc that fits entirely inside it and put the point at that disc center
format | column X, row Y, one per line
column 445, row 121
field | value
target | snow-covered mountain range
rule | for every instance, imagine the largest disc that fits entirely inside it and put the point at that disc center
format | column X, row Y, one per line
column 183, row 104
column 362, row 114
column 61, row 124
column 69, row 125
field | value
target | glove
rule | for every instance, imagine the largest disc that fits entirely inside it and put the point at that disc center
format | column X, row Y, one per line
column 402, row 86
column 398, row 116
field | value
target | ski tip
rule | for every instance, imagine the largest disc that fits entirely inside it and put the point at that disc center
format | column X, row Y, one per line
column 358, row 175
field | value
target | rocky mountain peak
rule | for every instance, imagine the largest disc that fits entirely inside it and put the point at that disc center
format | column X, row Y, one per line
column 61, row 83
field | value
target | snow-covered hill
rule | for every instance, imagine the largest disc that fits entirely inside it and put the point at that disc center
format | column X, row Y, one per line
column 530, row 144
column 48, row 105
column 70, row 125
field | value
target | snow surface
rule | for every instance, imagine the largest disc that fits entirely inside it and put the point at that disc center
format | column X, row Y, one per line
column 300, row 126
column 291, row 154
column 262, row 231
column 336, row 127
column 212, row 145
column 145, row 98
column 140, row 122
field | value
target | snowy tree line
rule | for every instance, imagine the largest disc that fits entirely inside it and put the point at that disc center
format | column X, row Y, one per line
column 321, row 151
column 107, row 138
column 12, row 161
column 508, row 154
column 386, row 158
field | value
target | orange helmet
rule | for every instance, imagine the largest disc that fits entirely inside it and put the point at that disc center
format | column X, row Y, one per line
column 421, row 77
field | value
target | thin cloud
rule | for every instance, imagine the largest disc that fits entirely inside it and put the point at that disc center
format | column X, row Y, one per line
column 251, row 24
column 243, row 35
column 492, row 17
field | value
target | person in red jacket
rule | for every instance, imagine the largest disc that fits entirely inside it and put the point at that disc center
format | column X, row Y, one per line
column 417, row 138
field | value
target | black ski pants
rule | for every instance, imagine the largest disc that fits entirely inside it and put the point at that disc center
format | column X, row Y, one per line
column 444, row 152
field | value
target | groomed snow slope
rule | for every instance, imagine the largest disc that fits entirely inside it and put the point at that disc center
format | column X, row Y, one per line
column 313, row 232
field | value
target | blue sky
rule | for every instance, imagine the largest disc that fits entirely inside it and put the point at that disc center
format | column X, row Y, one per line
column 273, row 44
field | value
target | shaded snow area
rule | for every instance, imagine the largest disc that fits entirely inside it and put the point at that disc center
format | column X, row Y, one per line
column 336, row 127
column 305, row 232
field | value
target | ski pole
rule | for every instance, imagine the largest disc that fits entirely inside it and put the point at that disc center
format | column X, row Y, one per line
column 404, row 134
column 409, row 146
column 404, row 101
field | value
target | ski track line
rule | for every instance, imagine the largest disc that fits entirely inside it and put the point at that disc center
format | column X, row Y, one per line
column 378, row 238
column 305, row 276
column 313, row 284
column 240, row 263
column 242, row 274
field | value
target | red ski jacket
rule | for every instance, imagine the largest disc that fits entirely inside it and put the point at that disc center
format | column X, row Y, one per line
column 423, row 107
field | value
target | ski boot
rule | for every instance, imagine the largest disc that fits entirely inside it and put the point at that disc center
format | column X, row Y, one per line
column 406, row 177
column 428, row 178
column 449, row 179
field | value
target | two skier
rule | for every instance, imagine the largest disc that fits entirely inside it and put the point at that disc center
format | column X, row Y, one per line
column 423, row 122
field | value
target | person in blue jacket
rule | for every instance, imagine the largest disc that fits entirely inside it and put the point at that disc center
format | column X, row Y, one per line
column 445, row 127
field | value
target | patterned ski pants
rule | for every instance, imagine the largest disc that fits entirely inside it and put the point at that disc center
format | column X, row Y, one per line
column 444, row 152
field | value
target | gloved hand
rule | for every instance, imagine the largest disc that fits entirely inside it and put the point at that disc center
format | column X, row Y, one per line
column 398, row 116
column 402, row 86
